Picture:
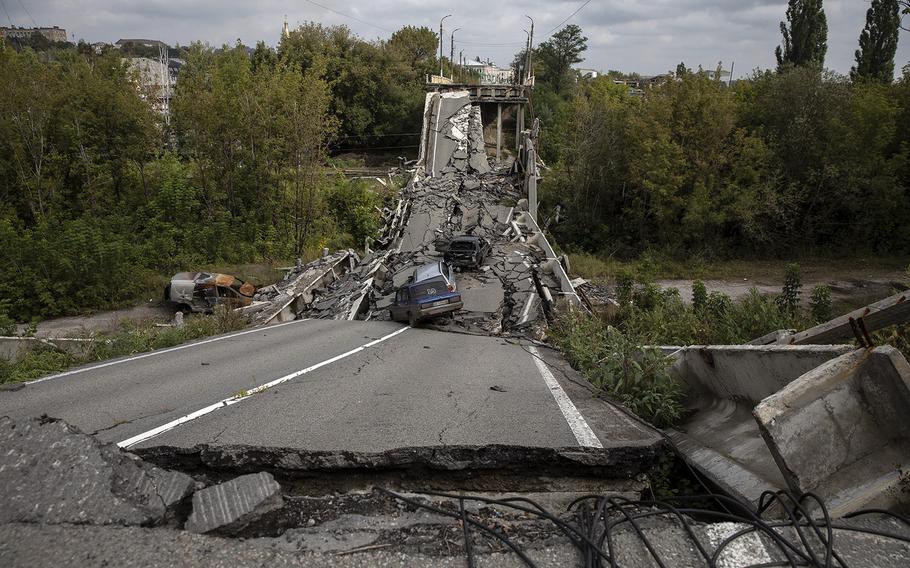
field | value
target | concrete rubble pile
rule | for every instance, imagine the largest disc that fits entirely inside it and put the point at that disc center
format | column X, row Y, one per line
column 829, row 420
column 453, row 142
column 456, row 192
column 500, row 297
column 284, row 300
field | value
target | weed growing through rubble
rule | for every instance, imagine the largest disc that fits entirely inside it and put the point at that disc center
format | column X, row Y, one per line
column 129, row 339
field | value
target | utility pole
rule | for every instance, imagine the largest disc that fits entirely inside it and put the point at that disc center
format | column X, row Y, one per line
column 730, row 82
column 530, row 46
column 519, row 76
column 452, row 53
column 440, row 42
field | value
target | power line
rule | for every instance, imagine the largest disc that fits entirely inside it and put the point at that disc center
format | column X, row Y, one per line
column 376, row 148
column 380, row 135
column 482, row 44
column 34, row 23
column 356, row 19
column 5, row 11
column 559, row 25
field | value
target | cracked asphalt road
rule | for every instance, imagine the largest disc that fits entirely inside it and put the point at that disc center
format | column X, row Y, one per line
column 418, row 388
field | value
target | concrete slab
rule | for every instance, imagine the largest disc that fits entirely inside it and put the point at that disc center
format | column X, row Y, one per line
column 841, row 430
column 479, row 296
column 230, row 507
column 724, row 383
column 51, row 473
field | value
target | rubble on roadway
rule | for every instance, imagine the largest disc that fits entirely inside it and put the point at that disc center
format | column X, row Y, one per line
column 500, row 297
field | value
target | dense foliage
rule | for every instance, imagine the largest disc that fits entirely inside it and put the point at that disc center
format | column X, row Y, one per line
column 782, row 164
column 100, row 200
column 878, row 43
column 805, row 35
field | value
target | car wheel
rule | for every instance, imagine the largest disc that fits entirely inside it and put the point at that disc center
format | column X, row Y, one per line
column 412, row 319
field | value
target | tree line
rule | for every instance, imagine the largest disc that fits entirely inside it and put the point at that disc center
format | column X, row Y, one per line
column 798, row 160
column 101, row 200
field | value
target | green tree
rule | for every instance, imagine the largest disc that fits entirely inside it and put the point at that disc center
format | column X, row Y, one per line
column 557, row 55
column 806, row 38
column 416, row 47
column 878, row 43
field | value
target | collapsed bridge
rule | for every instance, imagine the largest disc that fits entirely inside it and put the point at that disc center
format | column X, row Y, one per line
column 454, row 191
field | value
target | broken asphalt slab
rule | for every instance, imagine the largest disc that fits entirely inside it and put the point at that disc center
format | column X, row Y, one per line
column 50, row 472
column 230, row 507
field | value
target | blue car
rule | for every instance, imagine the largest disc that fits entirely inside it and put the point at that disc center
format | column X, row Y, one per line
column 430, row 292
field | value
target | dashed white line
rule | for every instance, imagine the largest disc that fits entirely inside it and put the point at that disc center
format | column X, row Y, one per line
column 243, row 396
column 583, row 433
column 158, row 352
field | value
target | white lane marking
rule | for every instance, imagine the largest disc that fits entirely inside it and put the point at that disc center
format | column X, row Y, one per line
column 158, row 352
column 240, row 398
column 524, row 312
column 583, row 433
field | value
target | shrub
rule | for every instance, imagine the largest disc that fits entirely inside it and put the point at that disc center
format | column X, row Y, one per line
column 699, row 295
column 625, row 284
column 820, row 304
column 7, row 325
column 788, row 301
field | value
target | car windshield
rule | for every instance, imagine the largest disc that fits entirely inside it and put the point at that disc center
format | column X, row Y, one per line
column 462, row 245
column 429, row 288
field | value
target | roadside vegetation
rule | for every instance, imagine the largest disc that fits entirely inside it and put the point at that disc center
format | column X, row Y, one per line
column 100, row 199
column 792, row 163
column 130, row 338
column 610, row 347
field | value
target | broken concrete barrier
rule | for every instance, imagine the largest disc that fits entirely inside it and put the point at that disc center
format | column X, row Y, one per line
column 230, row 507
column 51, row 473
column 841, row 431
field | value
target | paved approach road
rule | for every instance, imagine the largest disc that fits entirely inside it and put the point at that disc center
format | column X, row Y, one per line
column 332, row 385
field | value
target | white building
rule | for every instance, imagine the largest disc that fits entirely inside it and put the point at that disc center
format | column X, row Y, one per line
column 489, row 73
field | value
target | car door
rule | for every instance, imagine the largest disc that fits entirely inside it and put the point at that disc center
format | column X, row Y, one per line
column 485, row 249
column 399, row 310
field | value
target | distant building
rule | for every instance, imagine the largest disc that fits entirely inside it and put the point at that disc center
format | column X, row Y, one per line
column 140, row 42
column 54, row 34
column 157, row 79
column 588, row 73
column 489, row 73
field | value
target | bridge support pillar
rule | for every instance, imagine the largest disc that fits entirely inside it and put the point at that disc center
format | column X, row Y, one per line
column 498, row 132
column 519, row 125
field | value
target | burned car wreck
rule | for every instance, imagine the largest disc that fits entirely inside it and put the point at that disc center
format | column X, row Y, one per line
column 200, row 292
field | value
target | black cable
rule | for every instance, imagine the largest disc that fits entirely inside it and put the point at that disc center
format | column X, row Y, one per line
column 34, row 23
column 5, row 11
column 493, row 532
column 559, row 25
column 468, row 544
column 356, row 19
column 590, row 511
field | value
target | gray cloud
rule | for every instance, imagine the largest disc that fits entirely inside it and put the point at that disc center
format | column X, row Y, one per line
column 648, row 36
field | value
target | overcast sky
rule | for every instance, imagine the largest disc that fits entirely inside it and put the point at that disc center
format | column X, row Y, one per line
column 647, row 36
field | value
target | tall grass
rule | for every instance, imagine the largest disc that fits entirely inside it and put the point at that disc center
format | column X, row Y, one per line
column 128, row 339
column 611, row 349
column 621, row 367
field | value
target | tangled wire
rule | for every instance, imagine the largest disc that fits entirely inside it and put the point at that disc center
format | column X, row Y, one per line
column 593, row 520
